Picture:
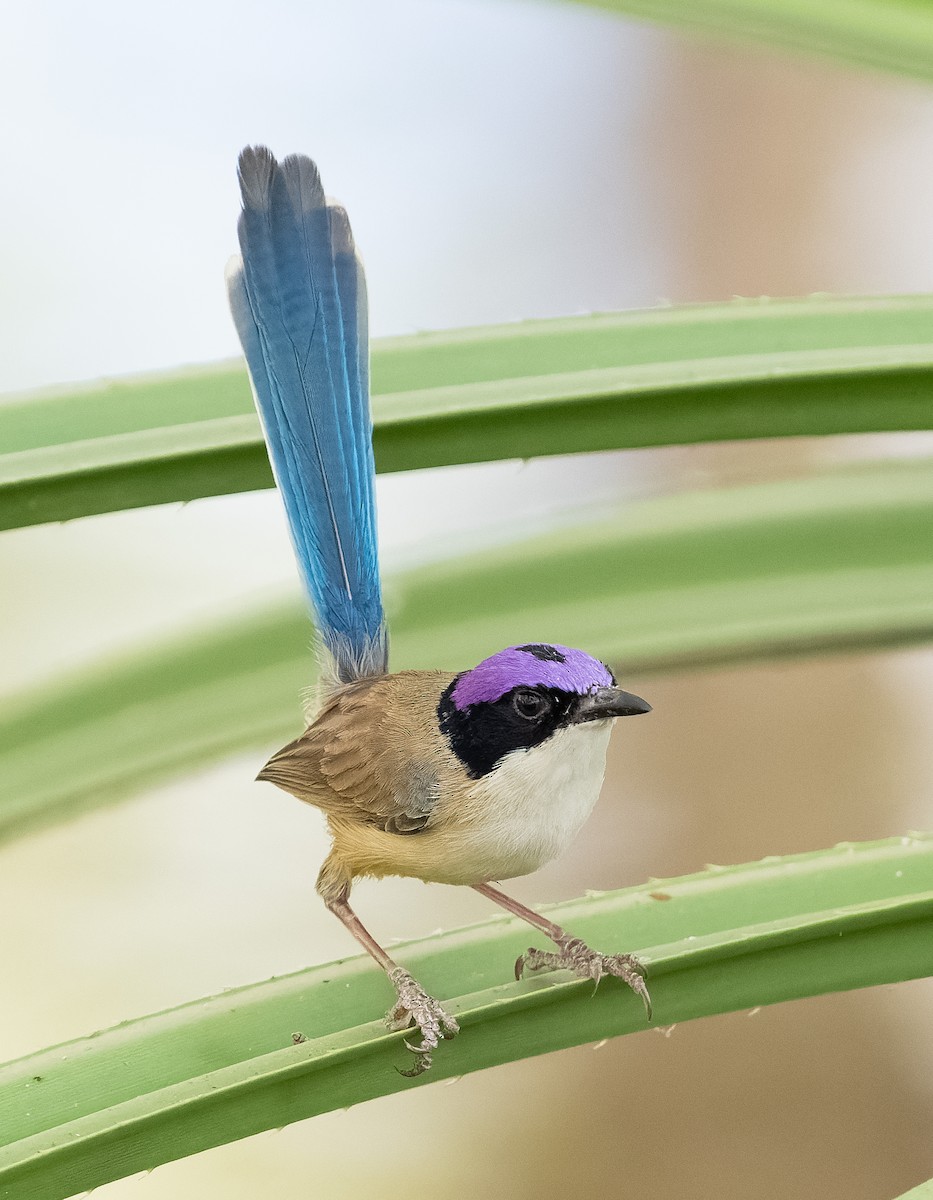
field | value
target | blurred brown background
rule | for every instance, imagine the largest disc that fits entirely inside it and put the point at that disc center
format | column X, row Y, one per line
column 697, row 171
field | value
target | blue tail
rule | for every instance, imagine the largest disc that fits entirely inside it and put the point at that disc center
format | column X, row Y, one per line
column 299, row 305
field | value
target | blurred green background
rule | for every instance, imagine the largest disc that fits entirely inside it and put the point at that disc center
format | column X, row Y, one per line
column 499, row 161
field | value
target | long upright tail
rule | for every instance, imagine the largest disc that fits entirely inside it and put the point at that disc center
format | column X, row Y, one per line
column 298, row 298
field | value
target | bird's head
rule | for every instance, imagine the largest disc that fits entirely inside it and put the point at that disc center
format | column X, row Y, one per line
column 520, row 697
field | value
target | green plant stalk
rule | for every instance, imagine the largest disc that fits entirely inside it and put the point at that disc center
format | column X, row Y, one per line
column 890, row 35
column 159, row 1088
column 838, row 561
column 675, row 375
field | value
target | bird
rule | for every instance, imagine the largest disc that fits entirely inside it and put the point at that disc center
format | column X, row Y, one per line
column 465, row 777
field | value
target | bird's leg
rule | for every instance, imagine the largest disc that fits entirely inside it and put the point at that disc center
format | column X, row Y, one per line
column 414, row 1006
column 572, row 953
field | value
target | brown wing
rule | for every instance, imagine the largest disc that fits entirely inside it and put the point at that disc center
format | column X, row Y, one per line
column 374, row 753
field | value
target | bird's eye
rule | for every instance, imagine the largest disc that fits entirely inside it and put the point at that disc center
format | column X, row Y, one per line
column 528, row 704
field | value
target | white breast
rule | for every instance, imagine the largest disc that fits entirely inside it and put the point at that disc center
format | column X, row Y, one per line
column 534, row 803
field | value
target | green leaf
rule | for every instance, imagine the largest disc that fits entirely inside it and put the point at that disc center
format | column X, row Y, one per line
column 893, row 35
column 169, row 1085
column 709, row 372
column 835, row 561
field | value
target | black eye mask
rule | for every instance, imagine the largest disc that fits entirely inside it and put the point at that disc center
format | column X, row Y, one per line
column 482, row 734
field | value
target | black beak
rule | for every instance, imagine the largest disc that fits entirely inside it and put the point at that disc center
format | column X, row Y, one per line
column 608, row 702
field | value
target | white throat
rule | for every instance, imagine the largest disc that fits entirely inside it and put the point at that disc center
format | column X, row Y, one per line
column 535, row 801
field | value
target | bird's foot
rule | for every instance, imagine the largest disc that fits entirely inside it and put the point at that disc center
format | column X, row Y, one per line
column 572, row 954
column 416, row 1007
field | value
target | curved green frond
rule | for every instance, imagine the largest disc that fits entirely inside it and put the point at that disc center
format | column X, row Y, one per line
column 890, row 35
column 840, row 560
column 749, row 369
column 169, row 1085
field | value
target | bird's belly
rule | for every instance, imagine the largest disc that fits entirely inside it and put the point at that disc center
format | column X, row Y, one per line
column 529, row 809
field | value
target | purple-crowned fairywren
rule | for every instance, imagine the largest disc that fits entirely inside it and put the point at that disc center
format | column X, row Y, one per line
column 462, row 778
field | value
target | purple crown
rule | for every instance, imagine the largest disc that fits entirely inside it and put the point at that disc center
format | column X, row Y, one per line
column 534, row 665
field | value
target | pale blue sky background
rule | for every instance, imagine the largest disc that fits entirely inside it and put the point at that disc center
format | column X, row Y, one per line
column 476, row 146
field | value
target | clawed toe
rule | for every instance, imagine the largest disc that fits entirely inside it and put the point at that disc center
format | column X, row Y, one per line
column 415, row 1007
column 632, row 972
column 574, row 955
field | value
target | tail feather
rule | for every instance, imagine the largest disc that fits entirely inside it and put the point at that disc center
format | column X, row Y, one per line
column 299, row 304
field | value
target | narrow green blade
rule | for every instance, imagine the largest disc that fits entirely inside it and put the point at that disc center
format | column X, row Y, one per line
column 837, row 561
column 676, row 375
column 891, row 35
column 169, row 1085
